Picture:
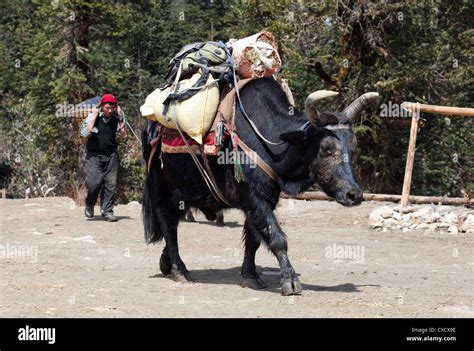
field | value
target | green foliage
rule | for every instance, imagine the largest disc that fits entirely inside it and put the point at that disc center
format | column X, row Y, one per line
column 54, row 53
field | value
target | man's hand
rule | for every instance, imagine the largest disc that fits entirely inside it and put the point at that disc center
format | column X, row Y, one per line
column 119, row 113
column 95, row 113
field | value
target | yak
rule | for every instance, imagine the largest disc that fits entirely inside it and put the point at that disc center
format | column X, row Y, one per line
column 307, row 147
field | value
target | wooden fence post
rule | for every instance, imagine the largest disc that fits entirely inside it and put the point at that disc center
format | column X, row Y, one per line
column 410, row 157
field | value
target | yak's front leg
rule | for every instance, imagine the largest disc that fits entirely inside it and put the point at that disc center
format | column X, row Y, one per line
column 252, row 239
column 275, row 238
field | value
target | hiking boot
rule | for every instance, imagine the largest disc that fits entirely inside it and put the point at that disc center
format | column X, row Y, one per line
column 109, row 217
column 89, row 211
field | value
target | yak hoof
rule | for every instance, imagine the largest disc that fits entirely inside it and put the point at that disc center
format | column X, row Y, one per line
column 291, row 286
column 181, row 276
column 165, row 264
column 189, row 217
column 253, row 283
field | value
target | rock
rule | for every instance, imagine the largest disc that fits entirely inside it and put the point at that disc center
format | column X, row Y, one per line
column 469, row 220
column 384, row 230
column 463, row 226
column 379, row 213
column 406, row 217
column 404, row 210
column 435, row 217
column 423, row 226
column 405, row 230
column 453, row 229
column 413, row 226
column 375, row 225
column 450, row 217
column 397, row 216
column 443, row 225
column 423, row 214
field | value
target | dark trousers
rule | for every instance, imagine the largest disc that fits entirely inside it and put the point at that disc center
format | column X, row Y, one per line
column 101, row 171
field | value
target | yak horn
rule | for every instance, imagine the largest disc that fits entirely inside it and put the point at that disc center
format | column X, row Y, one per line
column 360, row 104
column 310, row 104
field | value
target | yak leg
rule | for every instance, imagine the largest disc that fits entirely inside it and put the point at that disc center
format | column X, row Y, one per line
column 170, row 261
column 220, row 218
column 189, row 216
column 179, row 271
column 165, row 262
column 252, row 239
column 275, row 238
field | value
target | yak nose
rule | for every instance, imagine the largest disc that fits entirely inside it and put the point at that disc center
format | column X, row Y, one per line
column 355, row 196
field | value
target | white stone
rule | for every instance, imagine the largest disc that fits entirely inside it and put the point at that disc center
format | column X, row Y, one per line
column 397, row 216
column 423, row 226
column 423, row 214
column 469, row 220
column 379, row 213
column 443, row 225
column 453, row 229
column 375, row 225
column 403, row 210
column 450, row 217
column 435, row 217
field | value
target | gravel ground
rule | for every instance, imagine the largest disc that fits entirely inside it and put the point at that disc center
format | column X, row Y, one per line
column 55, row 263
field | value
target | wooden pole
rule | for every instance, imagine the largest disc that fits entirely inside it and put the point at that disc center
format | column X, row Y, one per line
column 410, row 157
column 319, row 195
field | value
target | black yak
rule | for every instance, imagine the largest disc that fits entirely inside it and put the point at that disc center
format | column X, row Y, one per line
column 310, row 147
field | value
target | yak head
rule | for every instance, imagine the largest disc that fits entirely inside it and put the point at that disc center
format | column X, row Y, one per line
column 332, row 168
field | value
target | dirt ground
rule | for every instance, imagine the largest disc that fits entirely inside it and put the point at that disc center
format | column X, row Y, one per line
column 55, row 263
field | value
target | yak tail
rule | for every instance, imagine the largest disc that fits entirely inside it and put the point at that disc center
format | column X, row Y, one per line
column 150, row 199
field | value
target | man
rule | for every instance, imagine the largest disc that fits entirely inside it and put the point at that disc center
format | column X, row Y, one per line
column 101, row 127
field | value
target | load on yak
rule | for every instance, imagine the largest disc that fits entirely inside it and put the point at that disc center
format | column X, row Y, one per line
column 222, row 100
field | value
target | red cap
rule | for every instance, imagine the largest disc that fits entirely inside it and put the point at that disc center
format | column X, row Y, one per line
column 108, row 98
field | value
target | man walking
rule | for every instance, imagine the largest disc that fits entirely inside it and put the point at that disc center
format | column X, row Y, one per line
column 101, row 127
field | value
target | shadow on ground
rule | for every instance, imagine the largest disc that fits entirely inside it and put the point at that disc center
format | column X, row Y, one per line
column 231, row 276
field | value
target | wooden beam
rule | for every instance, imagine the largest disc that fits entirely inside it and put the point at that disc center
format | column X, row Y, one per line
column 439, row 110
column 319, row 195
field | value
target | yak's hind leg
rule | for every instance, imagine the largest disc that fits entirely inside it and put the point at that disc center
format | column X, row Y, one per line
column 161, row 220
column 165, row 262
column 252, row 240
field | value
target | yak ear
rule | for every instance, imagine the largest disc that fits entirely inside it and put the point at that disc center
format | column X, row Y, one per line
column 294, row 137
